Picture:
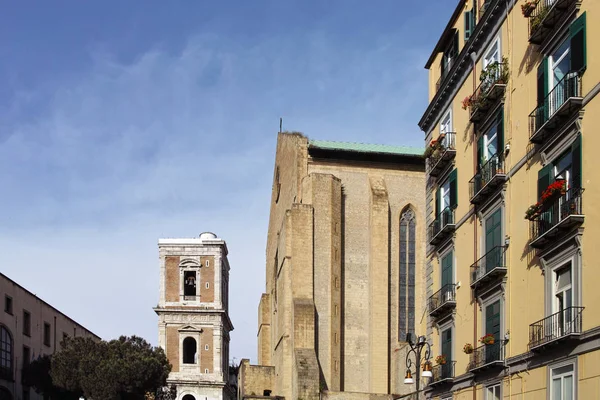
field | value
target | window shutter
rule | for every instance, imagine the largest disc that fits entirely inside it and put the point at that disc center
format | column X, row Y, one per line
column 578, row 44
column 479, row 153
column 545, row 178
column 576, row 162
column 455, row 45
column 542, row 93
column 468, row 24
column 453, row 188
column 437, row 202
column 500, row 122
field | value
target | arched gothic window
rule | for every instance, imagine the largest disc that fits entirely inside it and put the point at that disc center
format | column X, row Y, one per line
column 188, row 397
column 6, row 356
column 189, row 350
column 5, row 394
column 406, row 304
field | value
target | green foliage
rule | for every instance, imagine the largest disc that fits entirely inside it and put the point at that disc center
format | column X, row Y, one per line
column 37, row 375
column 128, row 368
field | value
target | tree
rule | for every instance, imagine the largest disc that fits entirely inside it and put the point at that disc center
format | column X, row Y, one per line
column 128, row 368
column 37, row 375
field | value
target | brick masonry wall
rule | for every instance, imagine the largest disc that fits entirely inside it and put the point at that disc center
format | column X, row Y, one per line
column 173, row 347
column 172, row 280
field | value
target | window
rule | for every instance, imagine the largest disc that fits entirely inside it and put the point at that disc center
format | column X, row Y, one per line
column 445, row 195
column 26, row 356
column 207, row 285
column 206, row 371
column 189, row 283
column 493, row 241
column 446, row 199
column 6, row 349
column 470, row 22
column 188, row 397
column 189, row 350
column 446, row 124
column 447, row 277
column 8, row 305
column 26, row 393
column 26, row 323
column 563, row 383
column 406, row 308
column 491, row 144
column 492, row 54
column 447, row 345
column 46, row 334
column 492, row 392
column 450, row 54
column 206, row 347
column 492, row 327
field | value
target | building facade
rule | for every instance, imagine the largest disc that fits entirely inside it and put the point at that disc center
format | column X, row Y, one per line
column 512, row 305
column 29, row 328
column 193, row 313
column 345, row 248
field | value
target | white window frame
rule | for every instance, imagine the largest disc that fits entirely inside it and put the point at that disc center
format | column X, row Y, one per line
column 552, row 62
column 495, row 43
column 444, row 192
column 570, row 362
column 572, row 256
column 446, row 117
column 497, row 385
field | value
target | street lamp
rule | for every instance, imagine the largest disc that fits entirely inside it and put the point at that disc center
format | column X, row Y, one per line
column 420, row 359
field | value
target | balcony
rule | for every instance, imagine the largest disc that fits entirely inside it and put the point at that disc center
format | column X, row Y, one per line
column 493, row 85
column 442, row 227
column 442, row 301
column 558, row 217
column 544, row 16
column 561, row 103
column 445, row 154
column 490, row 268
column 560, row 326
column 484, row 8
column 491, row 175
column 451, row 56
column 488, row 356
column 443, row 373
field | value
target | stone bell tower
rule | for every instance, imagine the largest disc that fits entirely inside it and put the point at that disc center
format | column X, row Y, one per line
column 193, row 317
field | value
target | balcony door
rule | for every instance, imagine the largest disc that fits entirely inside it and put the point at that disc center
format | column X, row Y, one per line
column 563, row 301
column 447, row 278
column 492, row 326
column 493, row 240
column 447, row 352
column 559, row 62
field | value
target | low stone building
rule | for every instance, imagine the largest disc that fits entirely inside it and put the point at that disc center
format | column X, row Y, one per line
column 345, row 248
column 29, row 328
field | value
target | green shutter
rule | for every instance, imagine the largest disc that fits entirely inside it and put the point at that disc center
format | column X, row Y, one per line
column 437, row 202
column 542, row 93
column 578, row 44
column 492, row 319
column 500, row 122
column 545, row 178
column 455, row 46
column 576, row 162
column 447, row 344
column 453, row 188
column 447, row 270
column 468, row 24
column 479, row 153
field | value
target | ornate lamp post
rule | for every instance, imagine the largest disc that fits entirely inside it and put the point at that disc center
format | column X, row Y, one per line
column 416, row 349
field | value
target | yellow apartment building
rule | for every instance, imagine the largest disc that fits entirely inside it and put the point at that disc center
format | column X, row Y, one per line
column 513, row 305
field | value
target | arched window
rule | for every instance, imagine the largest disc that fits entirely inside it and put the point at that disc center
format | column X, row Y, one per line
column 5, row 394
column 189, row 350
column 406, row 305
column 188, row 397
column 6, row 356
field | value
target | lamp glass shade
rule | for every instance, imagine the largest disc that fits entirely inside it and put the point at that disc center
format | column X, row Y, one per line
column 409, row 381
column 426, row 374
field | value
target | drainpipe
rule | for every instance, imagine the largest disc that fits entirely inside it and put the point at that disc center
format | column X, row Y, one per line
column 474, row 60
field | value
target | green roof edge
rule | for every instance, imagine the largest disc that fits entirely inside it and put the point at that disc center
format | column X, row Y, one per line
column 366, row 147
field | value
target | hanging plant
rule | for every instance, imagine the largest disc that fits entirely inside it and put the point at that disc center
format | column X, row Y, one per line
column 527, row 8
column 440, row 360
column 468, row 348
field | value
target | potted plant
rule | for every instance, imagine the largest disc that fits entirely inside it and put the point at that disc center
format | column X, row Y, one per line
column 533, row 211
column 488, row 339
column 554, row 190
column 466, row 103
column 468, row 348
column 527, row 8
column 440, row 360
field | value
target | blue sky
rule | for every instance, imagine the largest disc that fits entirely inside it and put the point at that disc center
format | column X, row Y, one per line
column 125, row 121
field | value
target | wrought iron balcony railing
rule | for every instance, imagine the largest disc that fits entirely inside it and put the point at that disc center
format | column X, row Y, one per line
column 487, row 356
column 562, row 101
column 561, row 325
column 443, row 373
column 543, row 16
column 444, row 154
column 490, row 175
column 489, row 268
column 558, row 216
column 442, row 226
column 493, row 84
column 442, row 300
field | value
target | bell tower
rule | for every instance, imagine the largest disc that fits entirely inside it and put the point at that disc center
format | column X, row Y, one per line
column 193, row 316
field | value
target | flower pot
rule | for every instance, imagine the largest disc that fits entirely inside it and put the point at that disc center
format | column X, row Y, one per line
column 469, row 351
column 528, row 10
column 490, row 341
